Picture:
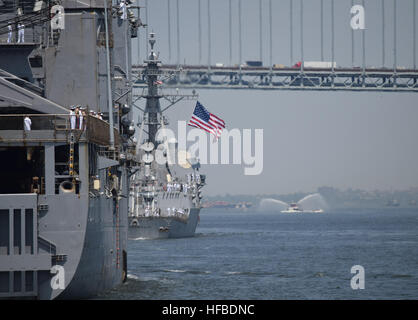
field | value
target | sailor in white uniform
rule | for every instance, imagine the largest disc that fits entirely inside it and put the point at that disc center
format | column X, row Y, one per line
column 10, row 35
column 72, row 118
column 27, row 123
column 123, row 10
column 81, row 117
column 21, row 33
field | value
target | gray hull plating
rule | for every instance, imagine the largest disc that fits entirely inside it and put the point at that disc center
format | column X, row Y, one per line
column 85, row 236
column 101, row 265
column 162, row 228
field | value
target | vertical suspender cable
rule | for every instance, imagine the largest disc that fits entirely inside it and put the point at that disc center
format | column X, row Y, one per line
column 146, row 28
column 138, row 42
column 291, row 32
column 240, row 33
column 414, row 33
column 322, row 30
column 199, row 17
column 332, row 37
column 352, row 41
column 363, row 33
column 394, row 37
column 178, row 32
column 261, row 29
column 230, row 32
column 383, row 33
column 271, row 33
column 209, row 37
column 301, row 34
column 169, row 29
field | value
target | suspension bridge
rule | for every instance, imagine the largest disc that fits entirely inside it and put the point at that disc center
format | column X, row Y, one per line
column 300, row 20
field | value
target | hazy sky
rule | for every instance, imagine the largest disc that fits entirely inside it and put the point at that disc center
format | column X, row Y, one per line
column 341, row 139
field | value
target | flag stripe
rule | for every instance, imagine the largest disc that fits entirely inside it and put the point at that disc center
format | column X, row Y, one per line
column 202, row 124
column 217, row 118
column 199, row 122
column 216, row 127
column 215, row 124
column 220, row 121
column 191, row 123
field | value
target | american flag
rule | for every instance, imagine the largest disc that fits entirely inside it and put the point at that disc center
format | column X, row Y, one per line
column 207, row 121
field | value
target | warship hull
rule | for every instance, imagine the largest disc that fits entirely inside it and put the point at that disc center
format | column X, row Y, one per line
column 103, row 261
column 63, row 201
column 58, row 242
column 164, row 227
column 85, row 237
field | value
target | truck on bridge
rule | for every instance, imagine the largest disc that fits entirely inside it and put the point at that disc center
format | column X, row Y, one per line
column 315, row 64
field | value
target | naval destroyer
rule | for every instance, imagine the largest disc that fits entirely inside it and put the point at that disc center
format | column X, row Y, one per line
column 65, row 146
column 165, row 192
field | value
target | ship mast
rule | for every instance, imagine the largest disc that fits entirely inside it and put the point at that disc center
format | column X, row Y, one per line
column 153, row 114
column 152, row 108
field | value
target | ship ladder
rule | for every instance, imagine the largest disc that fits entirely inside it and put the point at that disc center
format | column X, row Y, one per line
column 71, row 159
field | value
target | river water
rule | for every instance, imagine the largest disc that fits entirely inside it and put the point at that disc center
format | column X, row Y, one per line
column 271, row 255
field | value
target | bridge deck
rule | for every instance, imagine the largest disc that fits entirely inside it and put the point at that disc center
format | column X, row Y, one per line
column 290, row 78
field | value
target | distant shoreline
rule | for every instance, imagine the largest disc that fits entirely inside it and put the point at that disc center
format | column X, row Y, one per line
column 336, row 199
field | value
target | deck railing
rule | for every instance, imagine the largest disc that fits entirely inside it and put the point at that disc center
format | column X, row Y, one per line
column 61, row 125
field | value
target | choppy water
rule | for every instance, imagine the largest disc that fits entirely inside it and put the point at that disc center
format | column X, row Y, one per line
column 257, row 255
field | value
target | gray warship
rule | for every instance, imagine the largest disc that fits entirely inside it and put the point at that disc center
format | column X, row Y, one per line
column 165, row 192
column 65, row 145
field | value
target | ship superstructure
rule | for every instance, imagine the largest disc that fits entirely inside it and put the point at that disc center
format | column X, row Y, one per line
column 166, row 191
column 65, row 146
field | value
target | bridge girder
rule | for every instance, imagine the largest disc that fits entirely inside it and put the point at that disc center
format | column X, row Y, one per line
column 262, row 78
